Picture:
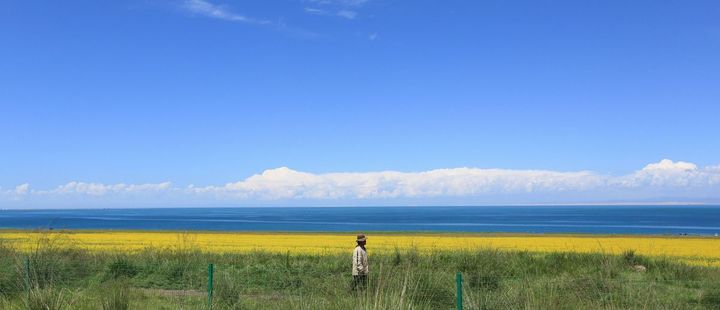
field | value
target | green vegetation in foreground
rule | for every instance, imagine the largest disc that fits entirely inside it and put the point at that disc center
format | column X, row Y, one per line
column 154, row 279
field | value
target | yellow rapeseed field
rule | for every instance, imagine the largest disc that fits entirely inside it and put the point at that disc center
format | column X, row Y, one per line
column 697, row 250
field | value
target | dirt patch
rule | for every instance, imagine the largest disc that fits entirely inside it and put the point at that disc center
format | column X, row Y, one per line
column 172, row 293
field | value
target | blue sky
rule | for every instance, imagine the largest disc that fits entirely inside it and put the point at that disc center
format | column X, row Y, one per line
column 209, row 93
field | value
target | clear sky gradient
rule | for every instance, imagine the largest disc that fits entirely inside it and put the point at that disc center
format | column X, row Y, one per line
column 209, row 92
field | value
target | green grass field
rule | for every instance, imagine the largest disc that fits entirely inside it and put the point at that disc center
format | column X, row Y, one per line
column 406, row 279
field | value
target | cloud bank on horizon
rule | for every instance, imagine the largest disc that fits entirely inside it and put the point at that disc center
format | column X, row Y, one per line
column 666, row 179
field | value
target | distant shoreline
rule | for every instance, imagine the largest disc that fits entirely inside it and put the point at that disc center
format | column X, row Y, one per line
column 369, row 233
column 598, row 204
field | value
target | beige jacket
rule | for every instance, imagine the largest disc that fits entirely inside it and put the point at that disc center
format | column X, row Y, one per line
column 360, row 262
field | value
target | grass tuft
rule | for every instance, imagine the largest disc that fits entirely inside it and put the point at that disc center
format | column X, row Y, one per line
column 115, row 296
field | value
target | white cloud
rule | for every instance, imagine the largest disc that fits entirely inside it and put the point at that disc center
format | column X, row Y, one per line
column 715, row 169
column 208, row 9
column 655, row 181
column 99, row 189
column 342, row 8
column 667, row 173
column 667, row 165
column 317, row 11
column 339, row 2
column 22, row 189
column 285, row 183
column 347, row 14
column 17, row 193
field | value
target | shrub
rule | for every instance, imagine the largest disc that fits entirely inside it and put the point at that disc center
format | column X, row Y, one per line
column 121, row 267
column 397, row 257
column 632, row 259
column 711, row 298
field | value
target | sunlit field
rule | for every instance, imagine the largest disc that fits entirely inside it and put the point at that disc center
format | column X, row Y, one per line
column 169, row 270
column 695, row 250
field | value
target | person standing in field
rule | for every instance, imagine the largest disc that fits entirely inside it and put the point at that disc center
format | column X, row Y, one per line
column 360, row 264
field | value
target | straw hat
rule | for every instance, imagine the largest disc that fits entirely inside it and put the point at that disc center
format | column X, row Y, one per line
column 361, row 238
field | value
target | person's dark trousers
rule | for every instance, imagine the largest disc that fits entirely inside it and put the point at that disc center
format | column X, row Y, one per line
column 359, row 281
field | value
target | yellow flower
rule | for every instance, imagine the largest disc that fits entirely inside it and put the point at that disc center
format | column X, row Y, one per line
column 695, row 250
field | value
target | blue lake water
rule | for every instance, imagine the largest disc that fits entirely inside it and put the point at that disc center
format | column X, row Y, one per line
column 696, row 220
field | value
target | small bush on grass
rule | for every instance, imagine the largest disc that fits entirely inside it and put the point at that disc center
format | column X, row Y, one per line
column 711, row 298
column 630, row 258
column 397, row 257
column 121, row 267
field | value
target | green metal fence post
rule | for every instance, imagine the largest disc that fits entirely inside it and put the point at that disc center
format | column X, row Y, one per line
column 210, row 285
column 458, row 279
